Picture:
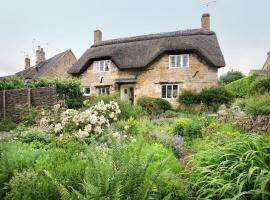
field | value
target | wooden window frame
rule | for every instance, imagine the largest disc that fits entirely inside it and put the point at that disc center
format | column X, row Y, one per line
column 97, row 66
column 173, row 96
column 181, row 63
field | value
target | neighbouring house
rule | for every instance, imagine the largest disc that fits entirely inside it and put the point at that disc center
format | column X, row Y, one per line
column 55, row 67
column 155, row 65
column 265, row 69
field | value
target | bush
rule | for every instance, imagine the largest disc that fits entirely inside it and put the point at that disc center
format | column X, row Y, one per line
column 68, row 90
column 238, row 169
column 230, row 77
column 154, row 105
column 260, row 85
column 188, row 97
column 193, row 129
column 212, row 97
column 7, row 125
column 257, row 105
column 241, row 87
column 12, row 82
column 180, row 125
column 129, row 127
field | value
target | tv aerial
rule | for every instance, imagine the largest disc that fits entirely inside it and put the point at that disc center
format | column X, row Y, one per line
column 208, row 3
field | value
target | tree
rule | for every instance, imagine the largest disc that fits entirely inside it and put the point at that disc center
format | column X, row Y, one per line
column 230, row 77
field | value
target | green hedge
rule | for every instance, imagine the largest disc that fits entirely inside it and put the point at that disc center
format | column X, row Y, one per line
column 260, row 85
column 241, row 87
column 212, row 97
column 68, row 90
column 154, row 105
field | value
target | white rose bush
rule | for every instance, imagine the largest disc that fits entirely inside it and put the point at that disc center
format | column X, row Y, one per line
column 92, row 121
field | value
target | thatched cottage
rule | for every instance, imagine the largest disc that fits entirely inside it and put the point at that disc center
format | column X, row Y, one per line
column 55, row 67
column 156, row 65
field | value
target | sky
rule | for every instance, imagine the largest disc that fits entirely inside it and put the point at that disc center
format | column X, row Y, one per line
column 242, row 26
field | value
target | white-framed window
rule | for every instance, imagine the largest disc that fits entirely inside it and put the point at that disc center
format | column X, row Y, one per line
column 86, row 91
column 102, row 66
column 169, row 91
column 103, row 90
column 177, row 61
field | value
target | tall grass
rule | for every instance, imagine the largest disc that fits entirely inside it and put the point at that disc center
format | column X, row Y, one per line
column 240, row 169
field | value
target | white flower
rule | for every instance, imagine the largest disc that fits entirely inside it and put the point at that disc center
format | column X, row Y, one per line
column 88, row 128
column 112, row 115
column 117, row 135
column 102, row 120
column 98, row 130
column 125, row 136
column 93, row 119
column 81, row 134
column 44, row 123
column 56, row 107
column 58, row 127
column 132, row 139
column 126, row 127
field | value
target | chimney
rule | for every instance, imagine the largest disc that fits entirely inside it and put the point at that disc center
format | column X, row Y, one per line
column 27, row 62
column 97, row 36
column 206, row 21
column 40, row 55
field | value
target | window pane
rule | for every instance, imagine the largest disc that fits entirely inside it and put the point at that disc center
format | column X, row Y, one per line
column 163, row 91
column 98, row 91
column 175, row 91
column 169, row 91
column 87, row 90
column 185, row 60
column 107, row 64
column 178, row 61
column 172, row 61
column 101, row 66
column 95, row 66
column 107, row 90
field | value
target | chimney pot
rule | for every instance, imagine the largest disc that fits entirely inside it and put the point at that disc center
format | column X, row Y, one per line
column 27, row 62
column 206, row 21
column 40, row 55
column 97, row 36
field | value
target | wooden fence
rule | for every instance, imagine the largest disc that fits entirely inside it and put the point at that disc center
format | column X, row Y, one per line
column 11, row 99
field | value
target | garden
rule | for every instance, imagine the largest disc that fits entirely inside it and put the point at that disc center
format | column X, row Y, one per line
column 105, row 148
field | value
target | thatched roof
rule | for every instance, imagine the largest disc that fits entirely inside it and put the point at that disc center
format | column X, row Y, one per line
column 38, row 70
column 141, row 51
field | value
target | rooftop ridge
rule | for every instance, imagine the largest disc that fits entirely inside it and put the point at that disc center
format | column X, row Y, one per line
column 188, row 32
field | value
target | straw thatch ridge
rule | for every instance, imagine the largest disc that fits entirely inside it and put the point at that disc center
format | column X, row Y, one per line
column 141, row 51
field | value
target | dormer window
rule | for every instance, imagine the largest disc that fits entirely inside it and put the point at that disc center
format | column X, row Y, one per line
column 179, row 61
column 102, row 66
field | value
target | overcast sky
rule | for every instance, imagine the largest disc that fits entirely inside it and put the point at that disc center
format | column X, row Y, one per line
column 242, row 26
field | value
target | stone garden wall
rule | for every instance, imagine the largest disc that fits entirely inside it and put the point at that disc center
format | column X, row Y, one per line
column 259, row 124
column 10, row 100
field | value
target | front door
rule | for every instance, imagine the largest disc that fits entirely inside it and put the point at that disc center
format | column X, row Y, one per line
column 127, row 92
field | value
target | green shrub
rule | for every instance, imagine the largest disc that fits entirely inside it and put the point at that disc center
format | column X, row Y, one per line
column 154, row 105
column 214, row 97
column 239, row 169
column 230, row 77
column 15, row 157
column 12, row 82
column 211, row 97
column 129, row 127
column 260, row 85
column 257, row 105
column 193, row 129
column 32, row 185
column 188, row 97
column 241, row 87
column 7, row 125
column 180, row 125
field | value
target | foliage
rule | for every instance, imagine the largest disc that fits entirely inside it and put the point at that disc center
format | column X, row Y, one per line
column 127, row 108
column 190, row 128
column 68, row 90
column 15, row 156
column 7, row 125
column 260, row 85
column 188, row 97
column 129, row 127
column 257, row 105
column 12, row 82
column 180, row 125
column 241, row 87
column 154, row 105
column 125, row 172
column 230, row 77
column 239, row 169
column 211, row 97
